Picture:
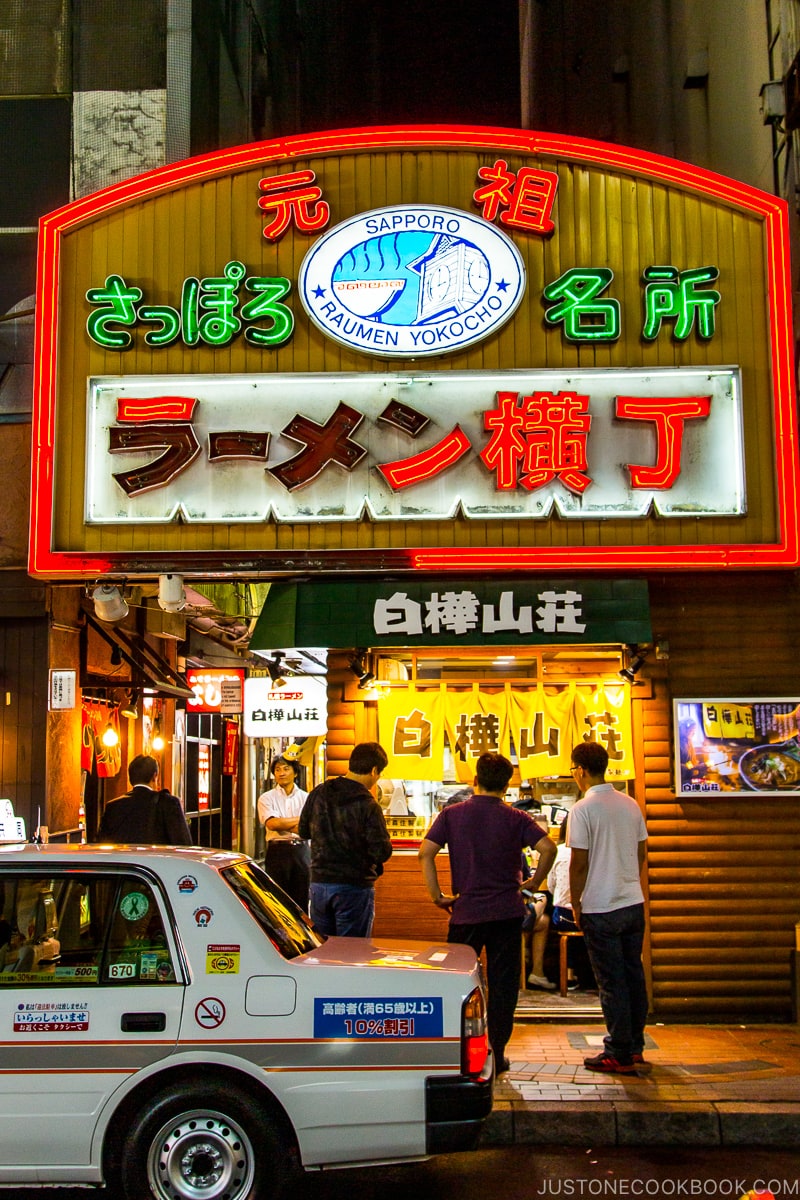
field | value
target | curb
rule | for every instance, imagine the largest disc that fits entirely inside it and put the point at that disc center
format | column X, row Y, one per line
column 623, row 1123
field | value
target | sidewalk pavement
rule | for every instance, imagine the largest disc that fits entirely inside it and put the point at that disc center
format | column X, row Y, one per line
column 709, row 1085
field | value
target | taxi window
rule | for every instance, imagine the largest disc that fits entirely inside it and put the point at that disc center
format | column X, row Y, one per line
column 81, row 928
column 286, row 926
column 138, row 950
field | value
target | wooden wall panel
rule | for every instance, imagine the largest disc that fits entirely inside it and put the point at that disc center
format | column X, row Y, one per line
column 403, row 907
column 23, row 715
column 722, row 872
column 341, row 714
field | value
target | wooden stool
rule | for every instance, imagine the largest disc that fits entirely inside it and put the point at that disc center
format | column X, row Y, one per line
column 562, row 957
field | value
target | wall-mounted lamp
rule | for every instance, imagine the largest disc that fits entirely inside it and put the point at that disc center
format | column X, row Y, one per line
column 274, row 669
column 109, row 604
column 773, row 102
column 157, row 742
column 130, row 709
column 635, row 663
column 116, row 656
column 365, row 678
column 171, row 594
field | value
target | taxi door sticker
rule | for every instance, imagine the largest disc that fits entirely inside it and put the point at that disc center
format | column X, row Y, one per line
column 44, row 1017
column 122, row 970
column 222, row 960
column 209, row 1013
column 134, row 906
column 378, row 1017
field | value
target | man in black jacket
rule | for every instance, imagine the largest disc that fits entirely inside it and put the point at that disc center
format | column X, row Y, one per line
column 349, row 845
column 144, row 815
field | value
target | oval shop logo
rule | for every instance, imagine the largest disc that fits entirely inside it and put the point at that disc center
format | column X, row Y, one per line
column 411, row 280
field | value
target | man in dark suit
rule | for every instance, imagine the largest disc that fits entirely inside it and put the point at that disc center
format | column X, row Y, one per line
column 145, row 815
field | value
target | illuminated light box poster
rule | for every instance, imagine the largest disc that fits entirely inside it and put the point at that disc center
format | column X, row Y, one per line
column 737, row 747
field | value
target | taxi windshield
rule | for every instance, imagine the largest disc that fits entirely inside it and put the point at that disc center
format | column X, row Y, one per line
column 287, row 927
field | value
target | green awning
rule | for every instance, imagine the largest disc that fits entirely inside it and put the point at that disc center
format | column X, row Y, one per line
column 346, row 614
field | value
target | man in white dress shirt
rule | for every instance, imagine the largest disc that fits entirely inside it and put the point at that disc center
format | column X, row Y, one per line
column 288, row 858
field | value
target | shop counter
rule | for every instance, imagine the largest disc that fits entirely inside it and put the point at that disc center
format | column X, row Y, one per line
column 403, row 907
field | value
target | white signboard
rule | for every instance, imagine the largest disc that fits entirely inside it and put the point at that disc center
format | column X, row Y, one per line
column 511, row 445
column 297, row 708
column 62, row 689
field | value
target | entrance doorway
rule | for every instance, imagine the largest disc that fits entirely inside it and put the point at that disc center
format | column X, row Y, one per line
column 209, row 792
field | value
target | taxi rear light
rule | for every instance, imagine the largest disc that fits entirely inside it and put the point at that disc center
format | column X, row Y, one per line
column 476, row 1051
column 474, row 1037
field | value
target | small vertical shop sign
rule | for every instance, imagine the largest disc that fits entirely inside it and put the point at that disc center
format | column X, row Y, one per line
column 215, row 691
column 63, row 686
column 203, row 777
column 230, row 748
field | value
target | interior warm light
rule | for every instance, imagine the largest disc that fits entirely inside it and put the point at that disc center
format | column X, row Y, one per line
column 110, row 736
column 158, row 743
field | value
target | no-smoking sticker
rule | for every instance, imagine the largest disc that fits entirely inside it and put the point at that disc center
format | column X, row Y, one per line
column 210, row 1013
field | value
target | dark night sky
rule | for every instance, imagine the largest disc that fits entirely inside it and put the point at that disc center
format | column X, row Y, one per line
column 385, row 62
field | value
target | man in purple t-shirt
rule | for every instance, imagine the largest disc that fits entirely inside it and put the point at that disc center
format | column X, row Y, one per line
column 485, row 838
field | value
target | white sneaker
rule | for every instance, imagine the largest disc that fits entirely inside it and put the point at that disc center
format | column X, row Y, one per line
column 539, row 981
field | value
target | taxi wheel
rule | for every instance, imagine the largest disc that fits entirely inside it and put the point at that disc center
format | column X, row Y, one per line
column 190, row 1142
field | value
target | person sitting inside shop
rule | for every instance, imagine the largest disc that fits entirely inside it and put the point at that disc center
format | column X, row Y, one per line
column 563, row 920
column 536, row 924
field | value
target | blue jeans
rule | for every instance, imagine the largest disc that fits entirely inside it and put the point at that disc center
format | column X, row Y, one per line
column 342, row 909
column 614, row 941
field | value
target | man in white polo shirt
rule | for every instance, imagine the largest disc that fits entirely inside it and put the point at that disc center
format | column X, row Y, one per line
column 608, row 840
column 288, row 858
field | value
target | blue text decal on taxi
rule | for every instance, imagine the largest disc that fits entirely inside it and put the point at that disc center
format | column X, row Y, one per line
column 381, row 1017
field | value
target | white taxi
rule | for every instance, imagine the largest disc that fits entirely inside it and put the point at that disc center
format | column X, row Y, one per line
column 172, row 1025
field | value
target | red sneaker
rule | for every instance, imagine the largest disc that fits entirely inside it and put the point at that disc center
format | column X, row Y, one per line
column 610, row 1065
column 640, row 1064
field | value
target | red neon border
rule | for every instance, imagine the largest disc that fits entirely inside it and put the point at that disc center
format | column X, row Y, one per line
column 45, row 562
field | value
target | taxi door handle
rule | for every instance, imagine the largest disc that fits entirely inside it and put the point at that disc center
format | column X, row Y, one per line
column 143, row 1022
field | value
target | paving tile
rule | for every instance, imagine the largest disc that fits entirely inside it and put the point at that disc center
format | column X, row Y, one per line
column 735, row 1067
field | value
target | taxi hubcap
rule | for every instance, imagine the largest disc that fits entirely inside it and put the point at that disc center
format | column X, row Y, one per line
column 201, row 1155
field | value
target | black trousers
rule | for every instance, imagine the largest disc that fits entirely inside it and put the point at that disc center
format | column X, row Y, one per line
column 289, row 864
column 502, row 941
